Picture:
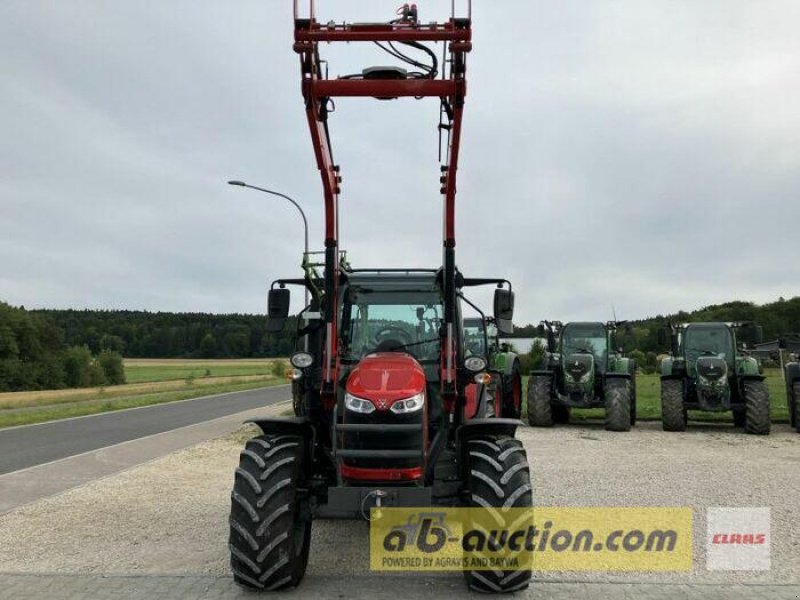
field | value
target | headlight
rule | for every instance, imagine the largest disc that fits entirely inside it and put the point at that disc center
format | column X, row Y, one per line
column 358, row 405
column 475, row 364
column 409, row 405
column 301, row 360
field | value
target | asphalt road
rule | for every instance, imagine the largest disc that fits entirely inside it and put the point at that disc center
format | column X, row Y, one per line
column 30, row 445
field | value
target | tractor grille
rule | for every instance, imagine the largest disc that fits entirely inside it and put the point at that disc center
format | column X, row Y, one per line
column 711, row 368
column 382, row 439
column 578, row 365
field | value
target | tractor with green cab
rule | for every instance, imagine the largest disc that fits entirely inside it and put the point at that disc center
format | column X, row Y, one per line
column 583, row 368
column 708, row 371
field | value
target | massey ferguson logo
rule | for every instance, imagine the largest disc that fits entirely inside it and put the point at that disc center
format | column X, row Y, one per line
column 382, row 404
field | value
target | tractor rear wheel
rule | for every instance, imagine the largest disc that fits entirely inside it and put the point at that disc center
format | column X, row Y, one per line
column 512, row 394
column 618, row 404
column 269, row 537
column 756, row 398
column 673, row 416
column 539, row 411
column 499, row 477
column 633, row 392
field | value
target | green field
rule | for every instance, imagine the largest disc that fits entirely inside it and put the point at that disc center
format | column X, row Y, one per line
column 143, row 370
column 149, row 382
column 648, row 401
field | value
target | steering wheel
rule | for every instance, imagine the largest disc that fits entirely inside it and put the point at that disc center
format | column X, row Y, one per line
column 393, row 331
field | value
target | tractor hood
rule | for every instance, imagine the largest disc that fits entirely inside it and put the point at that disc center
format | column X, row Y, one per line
column 385, row 377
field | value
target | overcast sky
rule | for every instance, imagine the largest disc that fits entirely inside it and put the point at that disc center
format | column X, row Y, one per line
column 641, row 155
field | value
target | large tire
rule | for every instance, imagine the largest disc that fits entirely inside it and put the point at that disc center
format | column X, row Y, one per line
column 539, row 411
column 269, row 537
column 512, row 394
column 756, row 398
column 673, row 415
column 618, row 404
column 499, row 476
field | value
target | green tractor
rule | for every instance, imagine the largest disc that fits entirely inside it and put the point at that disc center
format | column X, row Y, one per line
column 792, row 373
column 708, row 371
column 505, row 386
column 582, row 369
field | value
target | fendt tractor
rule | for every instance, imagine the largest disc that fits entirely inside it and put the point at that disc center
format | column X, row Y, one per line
column 792, row 375
column 504, row 388
column 394, row 410
column 708, row 371
column 582, row 369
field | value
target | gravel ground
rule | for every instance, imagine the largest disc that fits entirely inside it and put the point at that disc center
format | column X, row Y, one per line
column 169, row 516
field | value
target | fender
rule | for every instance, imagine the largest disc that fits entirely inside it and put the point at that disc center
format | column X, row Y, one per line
column 542, row 373
column 618, row 376
column 300, row 426
column 476, row 427
column 792, row 373
column 750, row 377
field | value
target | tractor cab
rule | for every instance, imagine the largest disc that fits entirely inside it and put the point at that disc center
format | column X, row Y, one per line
column 584, row 348
column 701, row 340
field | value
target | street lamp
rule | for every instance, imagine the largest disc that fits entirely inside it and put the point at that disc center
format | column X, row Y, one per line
column 297, row 206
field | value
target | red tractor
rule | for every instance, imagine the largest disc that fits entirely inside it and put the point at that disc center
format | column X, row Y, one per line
column 393, row 401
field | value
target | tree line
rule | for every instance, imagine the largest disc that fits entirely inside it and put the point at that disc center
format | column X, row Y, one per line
column 34, row 356
column 142, row 334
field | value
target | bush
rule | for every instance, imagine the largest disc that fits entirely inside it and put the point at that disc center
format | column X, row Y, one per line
column 534, row 358
column 97, row 376
column 112, row 366
column 77, row 362
column 278, row 368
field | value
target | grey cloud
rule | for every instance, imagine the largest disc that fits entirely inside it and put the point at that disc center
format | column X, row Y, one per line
column 640, row 155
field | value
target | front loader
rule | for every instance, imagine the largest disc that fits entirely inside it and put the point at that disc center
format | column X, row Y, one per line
column 708, row 371
column 582, row 369
column 392, row 404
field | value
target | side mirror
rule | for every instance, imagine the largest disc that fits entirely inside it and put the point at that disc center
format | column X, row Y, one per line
column 277, row 309
column 504, row 310
column 662, row 337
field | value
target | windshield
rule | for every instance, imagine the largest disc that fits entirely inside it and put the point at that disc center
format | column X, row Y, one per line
column 585, row 338
column 474, row 337
column 391, row 320
column 707, row 341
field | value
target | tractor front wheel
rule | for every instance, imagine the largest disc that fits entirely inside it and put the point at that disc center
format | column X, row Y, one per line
column 499, row 478
column 756, row 417
column 618, row 404
column 540, row 413
column 673, row 416
column 269, row 534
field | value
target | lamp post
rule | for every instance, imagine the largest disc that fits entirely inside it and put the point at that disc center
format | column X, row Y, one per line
column 297, row 206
